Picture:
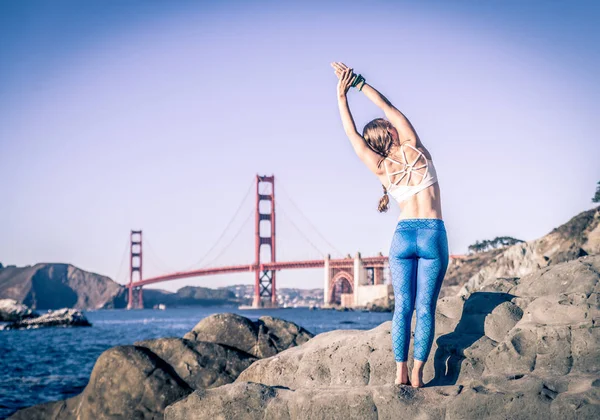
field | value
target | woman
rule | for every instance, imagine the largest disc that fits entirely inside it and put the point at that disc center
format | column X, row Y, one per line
column 418, row 255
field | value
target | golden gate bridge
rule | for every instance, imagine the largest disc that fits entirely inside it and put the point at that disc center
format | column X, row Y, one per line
column 342, row 276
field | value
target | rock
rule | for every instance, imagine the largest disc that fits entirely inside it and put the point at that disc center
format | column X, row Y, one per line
column 383, row 304
column 200, row 364
column 249, row 400
column 463, row 268
column 501, row 320
column 263, row 338
column 579, row 276
column 54, row 410
column 334, row 358
column 11, row 311
column 127, row 382
column 139, row 381
column 526, row 398
column 528, row 350
column 61, row 317
column 579, row 237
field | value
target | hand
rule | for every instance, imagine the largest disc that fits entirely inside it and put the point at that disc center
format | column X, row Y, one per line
column 344, row 82
column 339, row 68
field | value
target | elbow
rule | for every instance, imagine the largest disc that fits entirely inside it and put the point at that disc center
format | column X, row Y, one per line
column 352, row 133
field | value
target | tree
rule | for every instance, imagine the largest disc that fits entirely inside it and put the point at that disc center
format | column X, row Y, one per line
column 485, row 245
column 596, row 198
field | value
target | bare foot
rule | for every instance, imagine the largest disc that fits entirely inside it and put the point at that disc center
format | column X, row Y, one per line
column 402, row 374
column 400, row 382
column 417, row 378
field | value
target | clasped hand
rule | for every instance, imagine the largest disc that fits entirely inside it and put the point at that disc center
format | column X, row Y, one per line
column 345, row 77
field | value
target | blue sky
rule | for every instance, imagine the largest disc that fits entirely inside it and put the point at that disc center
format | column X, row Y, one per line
column 157, row 116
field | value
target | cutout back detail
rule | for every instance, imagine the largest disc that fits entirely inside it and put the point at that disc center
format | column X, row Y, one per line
column 426, row 171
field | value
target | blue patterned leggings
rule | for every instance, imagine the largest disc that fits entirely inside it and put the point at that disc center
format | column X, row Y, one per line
column 418, row 262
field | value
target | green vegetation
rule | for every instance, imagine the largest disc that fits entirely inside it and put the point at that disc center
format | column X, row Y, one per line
column 486, row 245
column 596, row 198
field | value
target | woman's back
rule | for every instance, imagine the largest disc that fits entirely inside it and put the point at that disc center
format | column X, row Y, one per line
column 410, row 178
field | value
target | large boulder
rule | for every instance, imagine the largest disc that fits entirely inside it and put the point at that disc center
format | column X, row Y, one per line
column 529, row 349
column 262, row 338
column 199, row 363
column 127, row 382
column 11, row 311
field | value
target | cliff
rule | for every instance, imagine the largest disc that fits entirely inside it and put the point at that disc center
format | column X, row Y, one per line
column 54, row 286
column 579, row 237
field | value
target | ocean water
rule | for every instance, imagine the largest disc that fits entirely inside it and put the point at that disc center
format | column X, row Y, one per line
column 50, row 364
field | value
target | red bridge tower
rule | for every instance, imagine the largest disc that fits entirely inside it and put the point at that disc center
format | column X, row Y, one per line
column 135, row 266
column 264, row 284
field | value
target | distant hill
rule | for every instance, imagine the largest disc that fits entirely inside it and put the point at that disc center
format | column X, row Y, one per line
column 190, row 296
column 54, row 286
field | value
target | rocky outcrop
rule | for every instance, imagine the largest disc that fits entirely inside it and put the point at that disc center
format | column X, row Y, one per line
column 139, row 381
column 62, row 317
column 462, row 269
column 520, row 348
column 578, row 237
column 262, row 338
column 55, row 286
column 11, row 311
column 127, row 382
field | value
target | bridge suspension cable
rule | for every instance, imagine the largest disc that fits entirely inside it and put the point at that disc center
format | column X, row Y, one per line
column 197, row 263
column 122, row 263
column 156, row 260
column 308, row 220
column 232, row 239
column 300, row 231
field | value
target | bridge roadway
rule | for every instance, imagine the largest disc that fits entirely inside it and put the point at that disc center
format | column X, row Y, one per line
column 333, row 263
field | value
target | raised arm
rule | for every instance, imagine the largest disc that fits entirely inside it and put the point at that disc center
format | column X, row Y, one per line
column 364, row 152
column 406, row 132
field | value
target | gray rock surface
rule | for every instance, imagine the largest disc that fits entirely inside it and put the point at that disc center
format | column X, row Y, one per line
column 528, row 350
column 60, row 318
column 11, row 311
column 200, row 364
column 262, row 338
column 127, row 382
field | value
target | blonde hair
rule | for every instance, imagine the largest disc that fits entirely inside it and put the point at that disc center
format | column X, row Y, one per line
column 378, row 137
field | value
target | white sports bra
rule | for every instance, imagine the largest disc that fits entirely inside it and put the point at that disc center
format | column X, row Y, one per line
column 426, row 171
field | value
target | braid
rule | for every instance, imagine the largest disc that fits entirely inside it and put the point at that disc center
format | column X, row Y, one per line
column 383, row 201
column 377, row 136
